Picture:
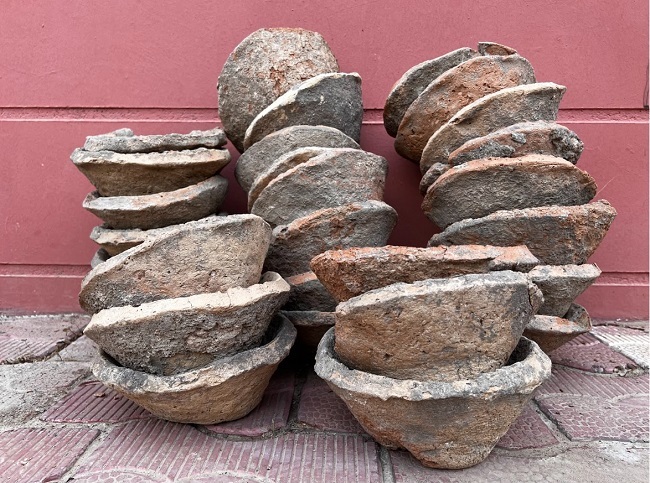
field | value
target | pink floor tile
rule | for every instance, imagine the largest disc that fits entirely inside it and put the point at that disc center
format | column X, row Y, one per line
column 573, row 465
column 633, row 343
column 92, row 402
column 26, row 390
column 322, row 409
column 528, row 431
column 591, row 407
column 586, row 352
column 164, row 452
column 24, row 339
column 586, row 418
column 41, row 454
column 566, row 381
column 81, row 350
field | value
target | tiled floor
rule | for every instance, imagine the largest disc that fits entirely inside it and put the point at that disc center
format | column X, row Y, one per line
column 588, row 422
column 588, row 353
column 321, row 409
column 26, row 339
column 632, row 343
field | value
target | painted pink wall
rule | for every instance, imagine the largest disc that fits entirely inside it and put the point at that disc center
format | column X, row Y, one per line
column 74, row 68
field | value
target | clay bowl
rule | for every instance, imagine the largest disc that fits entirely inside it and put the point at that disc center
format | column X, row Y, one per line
column 552, row 332
column 561, row 285
column 353, row 271
column 158, row 210
column 171, row 336
column 133, row 174
column 225, row 390
column 115, row 241
column 206, row 256
column 442, row 329
column 449, row 425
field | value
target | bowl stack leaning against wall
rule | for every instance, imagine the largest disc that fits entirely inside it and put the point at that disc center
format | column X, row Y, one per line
column 187, row 324
column 297, row 122
column 498, row 170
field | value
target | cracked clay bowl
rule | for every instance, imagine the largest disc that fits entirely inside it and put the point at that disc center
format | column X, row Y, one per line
column 447, row 425
column 227, row 389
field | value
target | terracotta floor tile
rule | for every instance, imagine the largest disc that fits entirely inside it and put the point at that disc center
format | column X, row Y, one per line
column 634, row 344
column 164, row 452
column 322, row 409
column 28, row 455
column 566, row 381
column 591, row 407
column 586, row 352
column 30, row 338
column 588, row 418
column 81, row 350
column 92, row 402
column 528, row 431
column 29, row 389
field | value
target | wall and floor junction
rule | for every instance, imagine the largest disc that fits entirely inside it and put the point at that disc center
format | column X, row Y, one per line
column 75, row 68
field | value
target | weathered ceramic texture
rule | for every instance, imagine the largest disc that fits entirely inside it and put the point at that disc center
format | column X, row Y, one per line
column 258, row 158
column 124, row 141
column 433, row 173
column 100, row 256
column 281, row 165
column 556, row 235
column 227, row 389
column 453, row 90
column 355, row 225
column 483, row 186
column 324, row 100
column 552, row 332
column 171, row 336
column 449, row 425
column 338, row 177
column 414, row 81
column 436, row 329
column 311, row 326
column 531, row 102
column 492, row 48
column 204, row 257
column 265, row 65
column 308, row 294
column 561, row 285
column 116, row 241
column 353, row 271
column 119, row 174
column 158, row 210
column 539, row 137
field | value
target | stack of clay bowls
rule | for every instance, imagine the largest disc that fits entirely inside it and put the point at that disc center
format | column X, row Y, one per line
column 498, row 170
column 427, row 351
column 297, row 122
column 147, row 183
column 185, row 320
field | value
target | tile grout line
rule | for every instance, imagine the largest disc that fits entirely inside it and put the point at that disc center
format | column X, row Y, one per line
column 550, row 424
column 90, row 449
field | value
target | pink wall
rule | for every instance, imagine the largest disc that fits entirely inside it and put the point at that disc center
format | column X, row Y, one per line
column 75, row 68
